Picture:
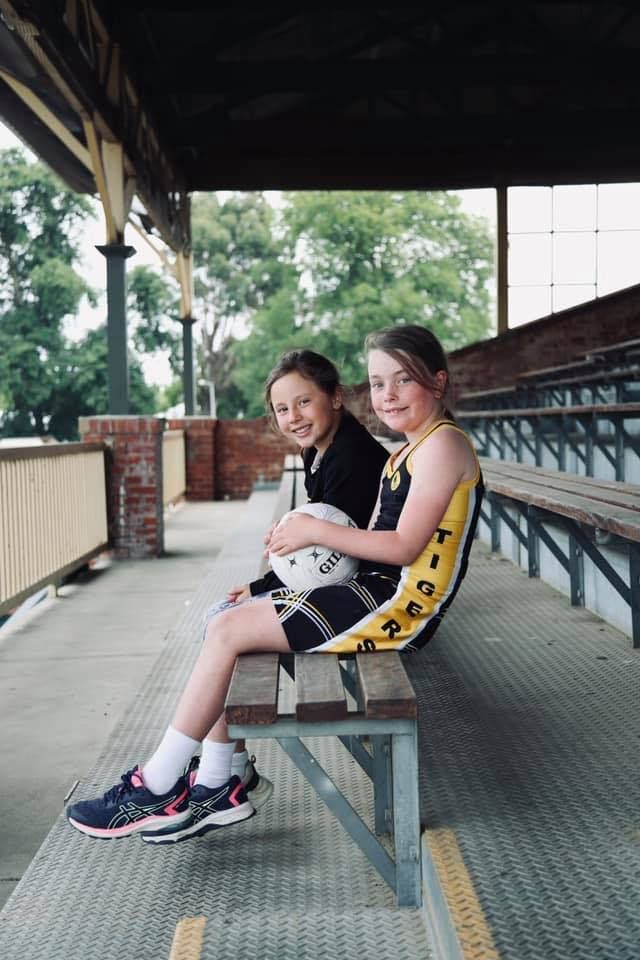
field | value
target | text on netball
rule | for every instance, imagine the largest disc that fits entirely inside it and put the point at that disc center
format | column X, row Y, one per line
column 327, row 565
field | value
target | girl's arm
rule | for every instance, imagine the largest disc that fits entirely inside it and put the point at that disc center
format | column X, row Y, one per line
column 439, row 464
column 349, row 473
column 376, row 509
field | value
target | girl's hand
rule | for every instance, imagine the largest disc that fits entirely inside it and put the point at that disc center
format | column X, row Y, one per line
column 267, row 537
column 241, row 592
column 293, row 532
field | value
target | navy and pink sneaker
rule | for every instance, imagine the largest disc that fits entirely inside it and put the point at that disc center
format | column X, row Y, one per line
column 210, row 808
column 129, row 808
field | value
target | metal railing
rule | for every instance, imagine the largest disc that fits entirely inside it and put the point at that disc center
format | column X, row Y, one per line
column 53, row 515
column 174, row 471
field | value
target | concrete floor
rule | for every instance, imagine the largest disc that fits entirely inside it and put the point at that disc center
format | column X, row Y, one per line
column 70, row 667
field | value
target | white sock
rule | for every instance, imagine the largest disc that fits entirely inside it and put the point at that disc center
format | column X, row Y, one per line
column 238, row 763
column 215, row 763
column 169, row 760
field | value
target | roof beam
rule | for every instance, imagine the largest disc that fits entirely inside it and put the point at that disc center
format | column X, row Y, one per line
column 82, row 61
column 50, row 120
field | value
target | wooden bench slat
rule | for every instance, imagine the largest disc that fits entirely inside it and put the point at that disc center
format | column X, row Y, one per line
column 545, row 373
column 518, row 468
column 253, row 691
column 595, row 513
column 609, row 491
column 623, row 347
column 319, row 690
column 631, row 410
column 629, row 372
column 386, row 689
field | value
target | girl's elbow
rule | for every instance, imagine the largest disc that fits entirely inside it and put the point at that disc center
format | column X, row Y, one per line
column 407, row 557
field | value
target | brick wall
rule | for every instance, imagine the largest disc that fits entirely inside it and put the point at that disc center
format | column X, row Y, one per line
column 134, row 481
column 200, row 447
column 549, row 342
column 247, row 451
column 358, row 402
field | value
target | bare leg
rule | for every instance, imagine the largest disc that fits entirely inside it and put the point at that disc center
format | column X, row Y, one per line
column 249, row 628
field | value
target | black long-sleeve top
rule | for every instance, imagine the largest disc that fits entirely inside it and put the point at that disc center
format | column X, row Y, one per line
column 348, row 477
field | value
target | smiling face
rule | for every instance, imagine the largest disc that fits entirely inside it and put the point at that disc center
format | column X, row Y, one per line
column 399, row 400
column 305, row 413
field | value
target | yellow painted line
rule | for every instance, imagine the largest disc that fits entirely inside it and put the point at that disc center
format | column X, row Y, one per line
column 187, row 940
column 474, row 936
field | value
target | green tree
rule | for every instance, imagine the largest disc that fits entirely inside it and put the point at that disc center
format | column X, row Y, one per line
column 153, row 319
column 369, row 259
column 82, row 385
column 273, row 330
column 39, row 287
column 238, row 267
column 363, row 261
column 321, row 273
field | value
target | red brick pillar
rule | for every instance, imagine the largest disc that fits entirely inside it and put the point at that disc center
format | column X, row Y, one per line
column 134, row 481
column 200, row 437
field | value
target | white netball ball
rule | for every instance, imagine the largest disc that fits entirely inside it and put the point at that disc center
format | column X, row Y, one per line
column 315, row 566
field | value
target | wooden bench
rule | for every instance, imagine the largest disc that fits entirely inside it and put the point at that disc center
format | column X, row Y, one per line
column 367, row 702
column 594, row 514
column 578, row 429
column 615, row 352
column 593, row 377
column 607, row 375
column 496, row 398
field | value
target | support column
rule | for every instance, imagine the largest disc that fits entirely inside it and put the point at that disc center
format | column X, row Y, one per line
column 184, row 274
column 134, row 481
column 502, row 260
column 118, row 366
column 188, row 383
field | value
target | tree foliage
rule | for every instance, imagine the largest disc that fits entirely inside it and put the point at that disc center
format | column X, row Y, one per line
column 320, row 271
column 152, row 315
column 82, row 385
column 47, row 382
column 363, row 261
column 238, row 268
column 39, row 287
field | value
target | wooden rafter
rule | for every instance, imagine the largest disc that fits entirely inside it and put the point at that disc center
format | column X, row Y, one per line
column 83, row 63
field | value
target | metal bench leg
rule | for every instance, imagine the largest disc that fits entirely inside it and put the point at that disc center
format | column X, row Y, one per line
column 382, row 783
column 342, row 809
column 406, row 819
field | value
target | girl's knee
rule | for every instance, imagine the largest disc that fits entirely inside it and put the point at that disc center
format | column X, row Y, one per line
column 215, row 628
column 224, row 628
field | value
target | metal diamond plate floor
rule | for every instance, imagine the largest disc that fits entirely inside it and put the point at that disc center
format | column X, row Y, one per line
column 529, row 744
column 286, row 884
column 530, row 750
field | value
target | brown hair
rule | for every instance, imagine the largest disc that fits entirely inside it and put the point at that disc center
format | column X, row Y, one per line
column 418, row 350
column 310, row 365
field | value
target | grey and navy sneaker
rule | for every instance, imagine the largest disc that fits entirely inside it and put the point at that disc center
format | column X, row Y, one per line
column 210, row 808
column 258, row 788
column 256, row 785
column 130, row 807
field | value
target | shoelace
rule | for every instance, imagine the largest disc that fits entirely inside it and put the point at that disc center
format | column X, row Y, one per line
column 125, row 786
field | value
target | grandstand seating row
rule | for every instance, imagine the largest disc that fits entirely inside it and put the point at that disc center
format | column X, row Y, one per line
column 609, row 374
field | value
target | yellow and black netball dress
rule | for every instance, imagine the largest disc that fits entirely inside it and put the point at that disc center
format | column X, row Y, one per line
column 388, row 607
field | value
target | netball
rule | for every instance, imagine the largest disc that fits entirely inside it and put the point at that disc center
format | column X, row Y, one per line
column 315, row 566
